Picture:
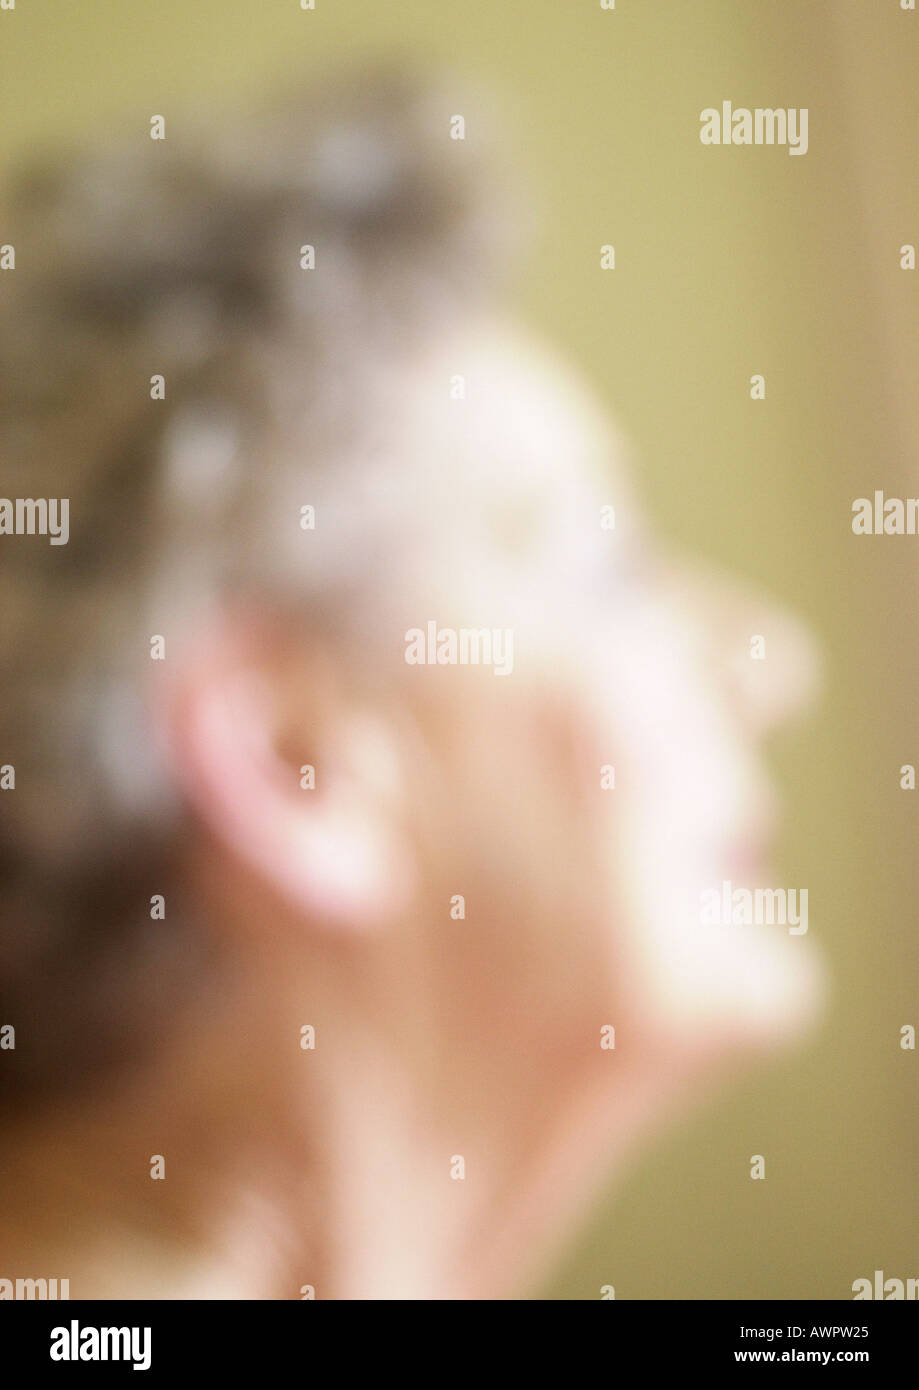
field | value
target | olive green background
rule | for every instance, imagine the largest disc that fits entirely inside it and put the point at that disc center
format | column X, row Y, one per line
column 729, row 262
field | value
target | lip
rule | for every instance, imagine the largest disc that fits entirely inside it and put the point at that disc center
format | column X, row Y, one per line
column 748, row 856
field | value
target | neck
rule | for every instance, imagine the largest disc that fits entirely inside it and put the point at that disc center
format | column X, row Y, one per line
column 281, row 1167
column 367, row 1167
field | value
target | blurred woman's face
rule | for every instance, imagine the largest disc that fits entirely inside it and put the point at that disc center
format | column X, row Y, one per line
column 555, row 804
column 542, row 983
column 586, row 798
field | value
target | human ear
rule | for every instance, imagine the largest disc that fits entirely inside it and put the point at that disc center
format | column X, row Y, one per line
column 289, row 770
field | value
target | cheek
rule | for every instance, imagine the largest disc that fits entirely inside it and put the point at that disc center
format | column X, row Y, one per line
column 542, row 847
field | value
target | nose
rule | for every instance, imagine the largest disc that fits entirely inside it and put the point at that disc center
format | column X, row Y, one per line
column 766, row 657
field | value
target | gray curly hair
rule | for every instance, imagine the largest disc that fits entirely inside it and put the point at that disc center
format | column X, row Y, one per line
column 179, row 258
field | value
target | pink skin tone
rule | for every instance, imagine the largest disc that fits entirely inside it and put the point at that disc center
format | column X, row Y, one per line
column 439, row 1037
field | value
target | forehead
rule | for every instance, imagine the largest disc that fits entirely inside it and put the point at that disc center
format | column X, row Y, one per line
column 483, row 430
column 509, row 417
column 516, row 455
column 475, row 466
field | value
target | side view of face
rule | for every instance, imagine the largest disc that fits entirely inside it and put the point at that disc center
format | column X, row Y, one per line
column 495, row 882
column 366, row 670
